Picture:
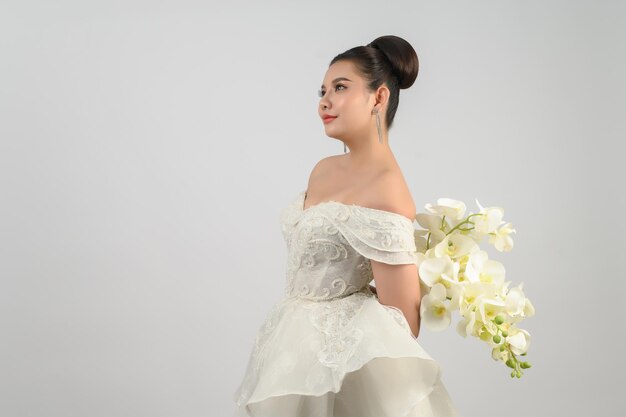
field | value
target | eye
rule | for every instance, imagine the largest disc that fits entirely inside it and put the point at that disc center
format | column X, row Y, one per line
column 321, row 93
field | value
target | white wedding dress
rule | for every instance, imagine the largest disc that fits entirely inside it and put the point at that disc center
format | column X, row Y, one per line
column 329, row 348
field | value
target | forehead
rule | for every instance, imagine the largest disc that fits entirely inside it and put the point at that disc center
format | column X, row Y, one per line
column 341, row 68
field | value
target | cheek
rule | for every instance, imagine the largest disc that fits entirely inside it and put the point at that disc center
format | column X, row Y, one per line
column 353, row 106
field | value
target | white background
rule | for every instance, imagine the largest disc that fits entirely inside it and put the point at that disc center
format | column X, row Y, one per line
column 148, row 147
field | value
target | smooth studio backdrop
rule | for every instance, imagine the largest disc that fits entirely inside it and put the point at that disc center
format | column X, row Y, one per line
column 148, row 148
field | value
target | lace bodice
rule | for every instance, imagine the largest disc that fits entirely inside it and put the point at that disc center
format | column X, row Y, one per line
column 331, row 243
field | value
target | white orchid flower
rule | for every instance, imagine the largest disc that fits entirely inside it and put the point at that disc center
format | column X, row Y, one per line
column 479, row 268
column 474, row 265
column 448, row 207
column 455, row 246
column 455, row 292
column 468, row 325
column 472, row 292
column 490, row 219
column 433, row 310
column 493, row 272
column 432, row 270
column 519, row 339
column 529, row 309
column 498, row 355
column 502, row 239
column 489, row 307
column 474, row 235
column 429, row 221
column 515, row 301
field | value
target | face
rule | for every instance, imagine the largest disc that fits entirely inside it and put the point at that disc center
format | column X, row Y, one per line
column 344, row 94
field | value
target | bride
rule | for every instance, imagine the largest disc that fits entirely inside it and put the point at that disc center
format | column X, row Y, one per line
column 335, row 345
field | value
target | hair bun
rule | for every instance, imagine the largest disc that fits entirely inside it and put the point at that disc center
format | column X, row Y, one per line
column 401, row 56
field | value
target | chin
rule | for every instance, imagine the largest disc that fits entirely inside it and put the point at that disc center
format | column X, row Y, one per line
column 332, row 133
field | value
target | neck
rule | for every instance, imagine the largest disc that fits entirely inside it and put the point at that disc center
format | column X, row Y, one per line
column 363, row 152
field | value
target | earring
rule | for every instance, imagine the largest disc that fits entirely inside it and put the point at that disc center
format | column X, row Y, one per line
column 380, row 136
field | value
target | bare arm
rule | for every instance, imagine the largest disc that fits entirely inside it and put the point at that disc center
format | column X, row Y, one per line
column 398, row 286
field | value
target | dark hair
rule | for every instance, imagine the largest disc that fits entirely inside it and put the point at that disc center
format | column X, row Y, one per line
column 388, row 60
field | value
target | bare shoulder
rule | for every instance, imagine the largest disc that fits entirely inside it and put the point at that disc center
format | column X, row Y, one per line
column 391, row 193
column 321, row 169
column 325, row 164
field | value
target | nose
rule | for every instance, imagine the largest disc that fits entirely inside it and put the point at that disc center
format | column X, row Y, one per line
column 324, row 103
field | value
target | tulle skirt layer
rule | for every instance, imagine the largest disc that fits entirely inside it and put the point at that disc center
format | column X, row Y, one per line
column 347, row 357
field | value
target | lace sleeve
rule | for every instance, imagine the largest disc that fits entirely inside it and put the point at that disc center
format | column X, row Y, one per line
column 379, row 235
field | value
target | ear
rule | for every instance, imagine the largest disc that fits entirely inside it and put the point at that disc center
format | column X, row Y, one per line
column 381, row 97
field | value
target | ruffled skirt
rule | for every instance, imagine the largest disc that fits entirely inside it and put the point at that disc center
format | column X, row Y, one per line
column 346, row 357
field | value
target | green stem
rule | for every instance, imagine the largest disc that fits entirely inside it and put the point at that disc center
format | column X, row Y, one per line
column 467, row 220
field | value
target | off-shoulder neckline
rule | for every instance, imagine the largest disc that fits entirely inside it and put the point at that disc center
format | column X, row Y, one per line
column 304, row 210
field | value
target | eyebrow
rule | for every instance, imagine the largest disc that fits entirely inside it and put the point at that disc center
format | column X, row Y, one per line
column 338, row 79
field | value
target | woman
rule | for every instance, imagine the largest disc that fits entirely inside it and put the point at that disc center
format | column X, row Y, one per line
column 332, row 347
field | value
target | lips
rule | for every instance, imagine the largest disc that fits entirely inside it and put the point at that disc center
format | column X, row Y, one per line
column 329, row 118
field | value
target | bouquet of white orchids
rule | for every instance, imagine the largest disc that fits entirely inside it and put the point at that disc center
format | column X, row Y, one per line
column 457, row 275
